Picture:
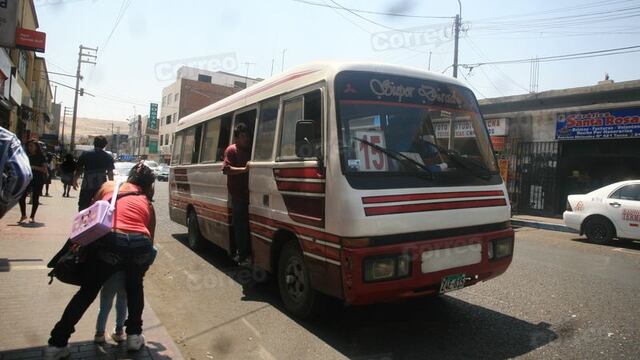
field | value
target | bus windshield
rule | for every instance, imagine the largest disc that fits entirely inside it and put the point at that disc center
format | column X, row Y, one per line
column 397, row 125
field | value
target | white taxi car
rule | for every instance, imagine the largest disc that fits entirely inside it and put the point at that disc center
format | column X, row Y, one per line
column 605, row 213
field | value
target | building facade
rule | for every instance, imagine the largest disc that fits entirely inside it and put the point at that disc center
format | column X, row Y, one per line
column 193, row 90
column 142, row 138
column 25, row 90
column 560, row 142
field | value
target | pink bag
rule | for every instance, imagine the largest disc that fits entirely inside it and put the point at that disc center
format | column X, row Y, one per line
column 95, row 221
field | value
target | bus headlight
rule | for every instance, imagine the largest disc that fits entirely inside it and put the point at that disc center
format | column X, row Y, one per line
column 500, row 248
column 387, row 267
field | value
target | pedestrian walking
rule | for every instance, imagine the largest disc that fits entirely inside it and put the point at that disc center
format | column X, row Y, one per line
column 51, row 172
column 38, row 164
column 15, row 171
column 97, row 166
column 128, row 248
column 67, row 169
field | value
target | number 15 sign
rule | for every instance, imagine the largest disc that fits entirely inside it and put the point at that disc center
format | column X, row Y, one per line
column 370, row 159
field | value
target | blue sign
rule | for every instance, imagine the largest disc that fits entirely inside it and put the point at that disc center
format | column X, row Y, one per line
column 598, row 124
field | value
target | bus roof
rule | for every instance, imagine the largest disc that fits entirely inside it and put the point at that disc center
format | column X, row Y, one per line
column 298, row 77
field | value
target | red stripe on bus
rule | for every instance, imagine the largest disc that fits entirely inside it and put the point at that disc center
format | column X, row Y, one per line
column 300, row 230
column 301, row 186
column 402, row 209
column 304, row 173
column 428, row 196
column 181, row 171
column 332, row 253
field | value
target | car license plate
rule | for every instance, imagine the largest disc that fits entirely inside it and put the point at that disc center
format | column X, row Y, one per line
column 451, row 283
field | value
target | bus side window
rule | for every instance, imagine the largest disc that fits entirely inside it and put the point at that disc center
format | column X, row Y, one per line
column 177, row 148
column 188, row 143
column 225, row 136
column 266, row 129
column 210, row 140
column 249, row 119
column 306, row 107
column 195, row 157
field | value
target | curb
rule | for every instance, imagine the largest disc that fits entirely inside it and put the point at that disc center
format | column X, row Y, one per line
column 543, row 225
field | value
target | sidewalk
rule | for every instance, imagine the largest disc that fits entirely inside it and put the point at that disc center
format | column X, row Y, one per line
column 30, row 307
column 539, row 222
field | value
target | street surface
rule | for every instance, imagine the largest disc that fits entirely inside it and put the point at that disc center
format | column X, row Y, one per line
column 561, row 298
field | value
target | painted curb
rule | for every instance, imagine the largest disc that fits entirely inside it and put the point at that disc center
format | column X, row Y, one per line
column 543, row 225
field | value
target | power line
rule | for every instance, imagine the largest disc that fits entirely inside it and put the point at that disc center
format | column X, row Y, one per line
column 582, row 55
column 123, row 10
column 371, row 12
column 371, row 21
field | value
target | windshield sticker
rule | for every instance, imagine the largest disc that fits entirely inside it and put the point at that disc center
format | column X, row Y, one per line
column 631, row 215
column 354, row 164
column 388, row 88
column 579, row 206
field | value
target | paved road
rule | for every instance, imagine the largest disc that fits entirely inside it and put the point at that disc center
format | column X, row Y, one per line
column 561, row 298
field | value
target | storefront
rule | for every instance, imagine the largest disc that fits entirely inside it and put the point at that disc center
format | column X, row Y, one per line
column 598, row 148
column 563, row 142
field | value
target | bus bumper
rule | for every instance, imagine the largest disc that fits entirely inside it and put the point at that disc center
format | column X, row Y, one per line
column 461, row 252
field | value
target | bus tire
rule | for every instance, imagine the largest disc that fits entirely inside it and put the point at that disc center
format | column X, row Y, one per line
column 294, row 283
column 599, row 230
column 194, row 238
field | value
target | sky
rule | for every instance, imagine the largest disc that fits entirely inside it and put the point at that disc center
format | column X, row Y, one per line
column 141, row 42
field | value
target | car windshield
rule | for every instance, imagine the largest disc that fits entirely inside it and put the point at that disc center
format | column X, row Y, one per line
column 396, row 125
column 151, row 164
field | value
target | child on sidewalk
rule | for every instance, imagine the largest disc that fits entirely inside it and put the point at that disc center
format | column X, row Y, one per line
column 114, row 287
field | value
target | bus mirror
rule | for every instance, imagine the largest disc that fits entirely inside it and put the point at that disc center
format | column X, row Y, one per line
column 305, row 146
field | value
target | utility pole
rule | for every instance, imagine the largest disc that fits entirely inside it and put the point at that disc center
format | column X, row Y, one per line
column 283, row 51
column 84, row 53
column 429, row 61
column 118, row 141
column 273, row 60
column 457, row 37
column 67, row 111
column 246, row 76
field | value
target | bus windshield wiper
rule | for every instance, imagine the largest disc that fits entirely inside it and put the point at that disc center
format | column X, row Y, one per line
column 464, row 162
column 397, row 156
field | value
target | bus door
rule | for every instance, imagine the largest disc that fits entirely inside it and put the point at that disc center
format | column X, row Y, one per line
column 300, row 176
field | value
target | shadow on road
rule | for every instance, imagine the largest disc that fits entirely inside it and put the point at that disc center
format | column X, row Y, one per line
column 439, row 327
column 89, row 350
column 616, row 243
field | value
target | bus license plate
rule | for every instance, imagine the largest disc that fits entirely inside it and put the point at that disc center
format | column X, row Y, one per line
column 451, row 283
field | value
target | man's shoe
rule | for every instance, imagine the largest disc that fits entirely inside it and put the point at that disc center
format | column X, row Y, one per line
column 245, row 262
column 135, row 342
column 54, row 352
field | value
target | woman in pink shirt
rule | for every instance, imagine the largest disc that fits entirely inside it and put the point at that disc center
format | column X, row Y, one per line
column 127, row 248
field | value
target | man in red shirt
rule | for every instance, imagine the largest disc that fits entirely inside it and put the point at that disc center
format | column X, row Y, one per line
column 236, row 168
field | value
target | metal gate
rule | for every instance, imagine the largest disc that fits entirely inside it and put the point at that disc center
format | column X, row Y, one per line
column 534, row 185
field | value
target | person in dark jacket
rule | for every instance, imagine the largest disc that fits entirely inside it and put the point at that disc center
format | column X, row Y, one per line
column 40, row 171
column 97, row 166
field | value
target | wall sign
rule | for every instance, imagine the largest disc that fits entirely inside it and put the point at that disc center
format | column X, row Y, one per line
column 598, row 124
column 30, row 40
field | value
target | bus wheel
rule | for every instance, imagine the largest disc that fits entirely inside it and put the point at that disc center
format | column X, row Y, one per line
column 295, row 284
column 193, row 232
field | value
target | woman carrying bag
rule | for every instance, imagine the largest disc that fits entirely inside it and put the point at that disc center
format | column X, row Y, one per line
column 128, row 248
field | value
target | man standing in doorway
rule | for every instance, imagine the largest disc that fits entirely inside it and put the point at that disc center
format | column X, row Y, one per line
column 235, row 167
column 97, row 166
